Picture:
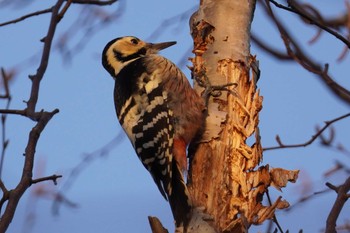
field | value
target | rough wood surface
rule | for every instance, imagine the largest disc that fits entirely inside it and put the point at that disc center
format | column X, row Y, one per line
column 156, row 225
column 225, row 177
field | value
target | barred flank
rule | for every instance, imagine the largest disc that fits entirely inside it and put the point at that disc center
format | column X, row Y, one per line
column 142, row 107
column 153, row 145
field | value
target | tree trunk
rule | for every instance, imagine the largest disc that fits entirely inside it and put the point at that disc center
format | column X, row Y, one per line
column 224, row 176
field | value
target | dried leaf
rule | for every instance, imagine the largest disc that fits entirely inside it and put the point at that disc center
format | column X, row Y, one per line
column 280, row 177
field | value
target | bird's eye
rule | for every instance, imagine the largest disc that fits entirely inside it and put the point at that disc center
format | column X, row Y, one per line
column 134, row 41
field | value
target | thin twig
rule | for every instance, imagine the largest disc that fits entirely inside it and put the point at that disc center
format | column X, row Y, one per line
column 5, row 141
column 95, row 2
column 36, row 79
column 5, row 194
column 297, row 53
column 304, row 199
column 272, row 51
column 13, row 111
column 23, row 185
column 173, row 20
column 339, row 166
column 52, row 177
column 77, row 170
column 26, row 16
column 313, row 138
column 65, row 8
column 2, row 186
column 89, row 22
column 42, row 119
column 296, row 10
column 5, row 80
column 274, row 219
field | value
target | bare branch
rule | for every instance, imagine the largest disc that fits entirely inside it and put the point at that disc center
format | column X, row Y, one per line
column 174, row 20
column 338, row 166
column 327, row 141
column 5, row 194
column 42, row 119
column 274, row 219
column 36, row 79
column 77, row 170
column 344, row 228
column 86, row 26
column 313, row 138
column 297, row 53
column 7, row 96
column 26, row 16
column 333, row 187
column 65, row 8
column 5, row 79
column 304, row 199
column 15, row 194
column 2, row 187
column 52, row 177
column 95, row 2
column 341, row 148
column 272, row 51
column 296, row 9
column 342, row 197
column 13, row 111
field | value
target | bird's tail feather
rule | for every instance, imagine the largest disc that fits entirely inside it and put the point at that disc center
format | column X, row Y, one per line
column 179, row 198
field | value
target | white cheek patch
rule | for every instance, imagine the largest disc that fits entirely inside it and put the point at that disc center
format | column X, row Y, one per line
column 117, row 65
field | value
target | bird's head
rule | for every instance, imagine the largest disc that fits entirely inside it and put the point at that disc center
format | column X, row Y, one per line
column 121, row 51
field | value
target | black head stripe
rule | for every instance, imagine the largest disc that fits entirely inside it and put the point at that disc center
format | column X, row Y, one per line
column 118, row 55
column 124, row 58
column 105, row 63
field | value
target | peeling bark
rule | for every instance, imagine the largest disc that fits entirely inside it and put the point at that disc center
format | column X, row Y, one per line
column 225, row 179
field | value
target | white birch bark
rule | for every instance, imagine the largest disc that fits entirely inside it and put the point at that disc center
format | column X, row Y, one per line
column 225, row 179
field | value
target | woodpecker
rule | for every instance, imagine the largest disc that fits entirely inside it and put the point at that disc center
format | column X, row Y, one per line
column 159, row 111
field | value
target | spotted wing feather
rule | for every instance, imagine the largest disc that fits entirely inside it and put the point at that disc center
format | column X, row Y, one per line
column 145, row 112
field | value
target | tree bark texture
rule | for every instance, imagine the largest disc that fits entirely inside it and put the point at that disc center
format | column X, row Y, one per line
column 225, row 178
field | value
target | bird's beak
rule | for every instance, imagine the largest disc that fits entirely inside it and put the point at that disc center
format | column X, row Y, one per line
column 159, row 46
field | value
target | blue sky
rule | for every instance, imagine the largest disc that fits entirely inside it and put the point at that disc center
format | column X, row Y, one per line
column 114, row 192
